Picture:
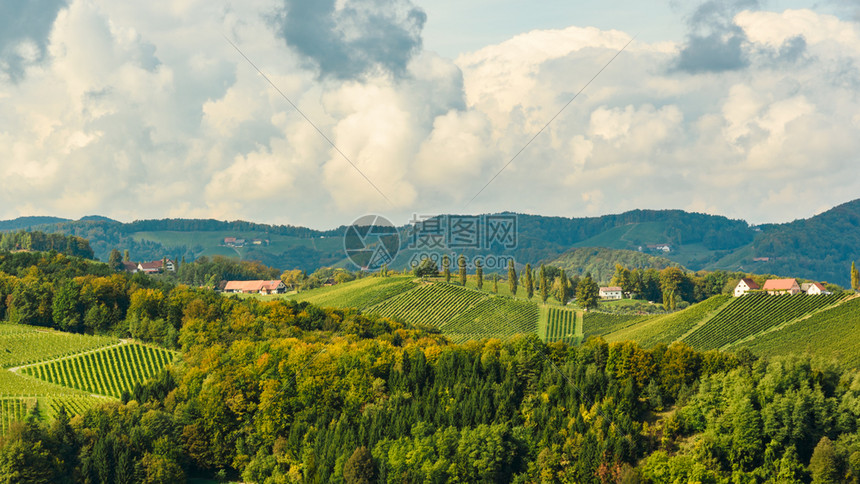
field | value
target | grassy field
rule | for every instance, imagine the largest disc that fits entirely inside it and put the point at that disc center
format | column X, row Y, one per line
column 599, row 324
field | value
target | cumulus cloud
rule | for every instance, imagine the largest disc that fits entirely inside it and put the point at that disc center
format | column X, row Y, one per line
column 122, row 112
column 714, row 42
column 24, row 28
column 347, row 39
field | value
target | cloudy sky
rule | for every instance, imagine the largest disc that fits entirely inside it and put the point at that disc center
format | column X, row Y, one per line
column 144, row 109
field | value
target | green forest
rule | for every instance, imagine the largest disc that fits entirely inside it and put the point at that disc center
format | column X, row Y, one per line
column 285, row 391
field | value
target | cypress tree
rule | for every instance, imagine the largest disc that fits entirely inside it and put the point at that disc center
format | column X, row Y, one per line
column 479, row 274
column 495, row 283
column 512, row 278
column 544, row 290
column 461, row 262
column 446, row 268
column 563, row 288
column 530, row 283
column 855, row 277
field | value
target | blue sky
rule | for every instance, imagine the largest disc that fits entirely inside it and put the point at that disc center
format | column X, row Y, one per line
column 143, row 110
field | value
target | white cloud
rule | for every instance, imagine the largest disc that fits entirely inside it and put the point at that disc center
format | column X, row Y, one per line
column 143, row 110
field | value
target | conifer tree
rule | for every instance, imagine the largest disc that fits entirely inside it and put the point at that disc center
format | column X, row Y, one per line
column 530, row 283
column 495, row 283
column 446, row 268
column 855, row 277
column 544, row 290
column 479, row 274
column 461, row 263
column 563, row 288
column 512, row 278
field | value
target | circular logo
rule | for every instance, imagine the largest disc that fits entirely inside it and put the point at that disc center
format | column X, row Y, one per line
column 371, row 242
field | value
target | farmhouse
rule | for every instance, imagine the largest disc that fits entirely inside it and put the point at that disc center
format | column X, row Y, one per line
column 610, row 292
column 745, row 285
column 259, row 287
column 814, row 288
column 156, row 266
column 781, row 286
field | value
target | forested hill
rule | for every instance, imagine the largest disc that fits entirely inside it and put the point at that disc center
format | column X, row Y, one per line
column 600, row 262
column 820, row 248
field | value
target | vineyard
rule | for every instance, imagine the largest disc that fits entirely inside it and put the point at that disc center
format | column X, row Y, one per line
column 105, row 372
column 21, row 345
column 18, row 394
column 752, row 314
column 599, row 324
column 362, row 293
column 669, row 327
column 461, row 313
column 832, row 333
column 561, row 325
column 430, row 304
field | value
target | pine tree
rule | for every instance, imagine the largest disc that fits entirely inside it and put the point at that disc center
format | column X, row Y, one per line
column 544, row 290
column 461, row 263
column 855, row 277
column 479, row 274
column 530, row 283
column 446, row 268
column 512, row 278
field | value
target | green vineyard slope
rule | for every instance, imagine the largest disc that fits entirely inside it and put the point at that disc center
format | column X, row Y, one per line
column 105, row 372
column 669, row 327
column 832, row 333
column 753, row 313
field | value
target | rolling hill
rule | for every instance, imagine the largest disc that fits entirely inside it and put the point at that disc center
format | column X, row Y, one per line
column 819, row 248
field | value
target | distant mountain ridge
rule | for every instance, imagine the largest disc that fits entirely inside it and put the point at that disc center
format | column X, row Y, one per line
column 819, row 248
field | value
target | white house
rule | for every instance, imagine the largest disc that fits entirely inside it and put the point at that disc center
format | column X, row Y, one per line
column 814, row 288
column 610, row 292
column 745, row 285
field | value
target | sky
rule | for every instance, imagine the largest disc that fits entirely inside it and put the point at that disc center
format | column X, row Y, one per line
column 156, row 109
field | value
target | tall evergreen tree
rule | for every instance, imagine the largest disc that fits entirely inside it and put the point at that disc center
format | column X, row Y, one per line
column 544, row 290
column 479, row 274
column 461, row 263
column 446, row 268
column 530, row 283
column 512, row 278
column 563, row 288
column 587, row 292
column 495, row 283
column 855, row 277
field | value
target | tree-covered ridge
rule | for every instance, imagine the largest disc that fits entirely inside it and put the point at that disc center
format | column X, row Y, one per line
column 601, row 262
column 41, row 241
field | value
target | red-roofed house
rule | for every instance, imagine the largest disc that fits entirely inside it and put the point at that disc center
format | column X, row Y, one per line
column 611, row 292
column 781, row 286
column 261, row 287
column 156, row 266
column 745, row 285
column 814, row 288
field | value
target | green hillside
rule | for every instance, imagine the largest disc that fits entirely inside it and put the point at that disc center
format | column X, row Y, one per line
column 832, row 333
column 669, row 327
column 600, row 262
column 360, row 293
